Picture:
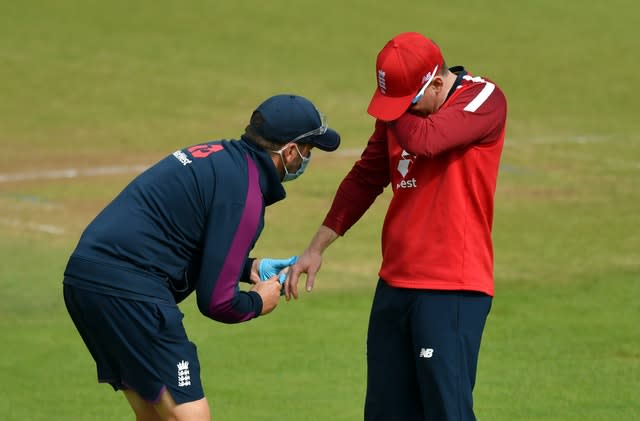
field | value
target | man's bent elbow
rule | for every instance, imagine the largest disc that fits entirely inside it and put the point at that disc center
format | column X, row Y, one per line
column 223, row 312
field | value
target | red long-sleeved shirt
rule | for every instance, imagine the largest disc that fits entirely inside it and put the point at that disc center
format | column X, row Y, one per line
column 443, row 170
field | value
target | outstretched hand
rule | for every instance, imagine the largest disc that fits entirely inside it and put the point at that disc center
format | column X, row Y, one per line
column 309, row 262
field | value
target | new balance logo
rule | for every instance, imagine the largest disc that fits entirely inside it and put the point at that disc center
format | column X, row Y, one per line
column 426, row 352
column 184, row 378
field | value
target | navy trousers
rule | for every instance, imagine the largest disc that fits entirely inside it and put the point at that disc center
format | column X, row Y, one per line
column 422, row 353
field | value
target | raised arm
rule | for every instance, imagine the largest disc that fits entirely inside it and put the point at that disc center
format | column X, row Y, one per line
column 462, row 121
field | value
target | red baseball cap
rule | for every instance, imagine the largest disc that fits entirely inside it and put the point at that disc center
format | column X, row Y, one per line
column 405, row 64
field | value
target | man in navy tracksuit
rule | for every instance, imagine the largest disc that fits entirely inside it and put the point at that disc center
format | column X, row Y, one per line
column 186, row 224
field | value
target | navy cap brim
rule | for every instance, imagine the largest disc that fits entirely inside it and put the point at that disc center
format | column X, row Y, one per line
column 328, row 142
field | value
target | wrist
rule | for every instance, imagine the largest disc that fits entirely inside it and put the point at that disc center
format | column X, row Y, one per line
column 323, row 239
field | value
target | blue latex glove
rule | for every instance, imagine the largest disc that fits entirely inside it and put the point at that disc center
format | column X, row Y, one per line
column 269, row 268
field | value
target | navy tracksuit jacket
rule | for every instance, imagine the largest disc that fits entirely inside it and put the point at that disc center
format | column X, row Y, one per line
column 187, row 223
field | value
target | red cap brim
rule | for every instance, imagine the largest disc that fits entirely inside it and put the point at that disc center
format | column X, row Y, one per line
column 388, row 108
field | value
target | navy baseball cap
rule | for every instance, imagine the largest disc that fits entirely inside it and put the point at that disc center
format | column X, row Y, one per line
column 292, row 118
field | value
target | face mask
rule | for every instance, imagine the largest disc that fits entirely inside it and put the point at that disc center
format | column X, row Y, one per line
column 292, row 176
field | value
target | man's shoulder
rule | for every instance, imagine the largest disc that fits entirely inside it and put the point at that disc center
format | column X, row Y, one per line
column 476, row 91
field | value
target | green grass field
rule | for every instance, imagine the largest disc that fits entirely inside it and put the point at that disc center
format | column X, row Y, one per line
column 89, row 84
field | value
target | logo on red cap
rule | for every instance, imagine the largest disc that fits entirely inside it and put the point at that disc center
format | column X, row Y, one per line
column 404, row 64
column 381, row 82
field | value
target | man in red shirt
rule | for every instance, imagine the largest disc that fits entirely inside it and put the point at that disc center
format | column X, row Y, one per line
column 438, row 139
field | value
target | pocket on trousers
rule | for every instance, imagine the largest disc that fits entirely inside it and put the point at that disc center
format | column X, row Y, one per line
column 171, row 327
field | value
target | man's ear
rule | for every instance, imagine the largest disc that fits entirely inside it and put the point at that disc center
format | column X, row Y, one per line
column 437, row 83
column 293, row 150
